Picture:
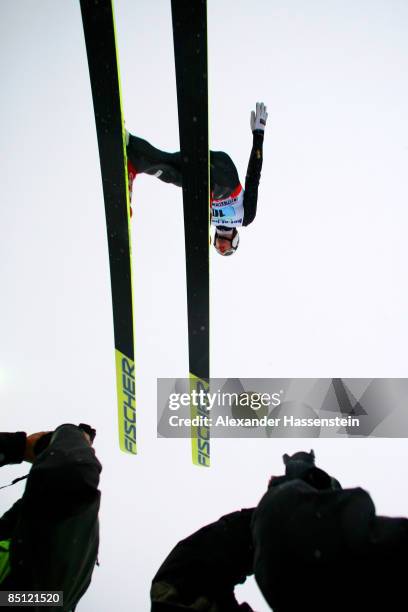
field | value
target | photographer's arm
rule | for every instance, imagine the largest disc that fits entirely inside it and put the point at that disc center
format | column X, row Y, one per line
column 12, row 447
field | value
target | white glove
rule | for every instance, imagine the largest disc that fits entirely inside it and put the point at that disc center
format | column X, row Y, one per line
column 258, row 118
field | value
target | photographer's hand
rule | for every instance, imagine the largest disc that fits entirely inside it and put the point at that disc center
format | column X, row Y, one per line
column 29, row 454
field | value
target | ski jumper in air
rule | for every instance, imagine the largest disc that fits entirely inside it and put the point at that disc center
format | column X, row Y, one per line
column 231, row 205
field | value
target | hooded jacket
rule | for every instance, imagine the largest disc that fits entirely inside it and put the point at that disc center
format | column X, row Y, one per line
column 53, row 530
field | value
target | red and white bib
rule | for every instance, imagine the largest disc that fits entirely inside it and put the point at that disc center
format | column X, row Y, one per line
column 229, row 211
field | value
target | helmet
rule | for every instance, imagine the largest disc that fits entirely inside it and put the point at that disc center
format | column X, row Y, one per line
column 227, row 234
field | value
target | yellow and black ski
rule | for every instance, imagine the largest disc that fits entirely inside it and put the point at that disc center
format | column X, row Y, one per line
column 99, row 30
column 190, row 52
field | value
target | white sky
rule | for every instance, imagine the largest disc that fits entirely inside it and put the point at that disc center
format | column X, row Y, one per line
column 316, row 289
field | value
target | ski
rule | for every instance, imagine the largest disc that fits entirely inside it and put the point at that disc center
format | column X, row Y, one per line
column 99, row 30
column 190, row 52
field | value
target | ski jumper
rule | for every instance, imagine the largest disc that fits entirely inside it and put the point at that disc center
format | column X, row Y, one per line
column 207, row 565
column 231, row 205
column 52, row 532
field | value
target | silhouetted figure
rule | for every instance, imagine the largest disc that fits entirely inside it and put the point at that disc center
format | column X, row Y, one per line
column 49, row 538
column 322, row 548
column 202, row 571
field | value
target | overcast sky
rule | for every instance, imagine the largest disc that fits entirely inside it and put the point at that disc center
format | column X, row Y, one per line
column 317, row 289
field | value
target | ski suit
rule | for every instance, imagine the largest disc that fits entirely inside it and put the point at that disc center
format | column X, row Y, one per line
column 52, row 532
column 319, row 548
column 231, row 205
column 202, row 570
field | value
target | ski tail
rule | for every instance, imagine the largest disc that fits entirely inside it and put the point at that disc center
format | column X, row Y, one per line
column 100, row 39
column 190, row 53
column 200, row 434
